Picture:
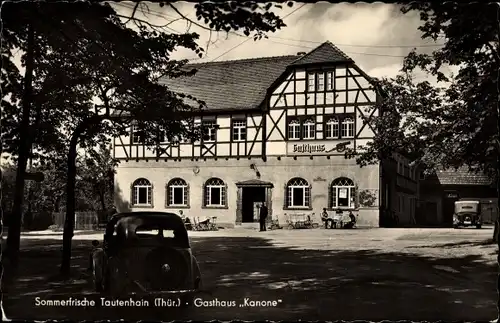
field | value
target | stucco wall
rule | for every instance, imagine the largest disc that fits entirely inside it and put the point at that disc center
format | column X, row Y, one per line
column 319, row 172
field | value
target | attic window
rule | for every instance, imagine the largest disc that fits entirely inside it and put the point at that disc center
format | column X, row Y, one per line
column 311, row 82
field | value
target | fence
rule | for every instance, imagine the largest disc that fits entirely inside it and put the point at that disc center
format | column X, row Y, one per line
column 83, row 220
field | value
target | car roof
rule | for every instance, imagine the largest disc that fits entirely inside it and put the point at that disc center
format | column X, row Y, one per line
column 164, row 219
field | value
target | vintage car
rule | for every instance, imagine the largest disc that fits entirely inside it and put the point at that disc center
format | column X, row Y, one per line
column 145, row 253
column 467, row 213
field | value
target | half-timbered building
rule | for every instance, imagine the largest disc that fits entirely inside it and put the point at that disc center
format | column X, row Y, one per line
column 276, row 132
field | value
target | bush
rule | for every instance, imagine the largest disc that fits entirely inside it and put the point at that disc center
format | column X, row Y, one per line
column 38, row 221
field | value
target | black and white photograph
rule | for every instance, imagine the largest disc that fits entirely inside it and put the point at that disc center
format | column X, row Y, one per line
column 249, row 160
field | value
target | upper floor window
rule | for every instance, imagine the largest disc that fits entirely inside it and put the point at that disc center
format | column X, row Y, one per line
column 215, row 193
column 142, row 192
column 294, row 130
column 209, row 131
column 309, row 129
column 177, row 192
column 137, row 135
column 332, row 128
column 298, row 193
column 329, row 81
column 347, row 128
column 321, row 82
column 239, row 130
column 311, row 82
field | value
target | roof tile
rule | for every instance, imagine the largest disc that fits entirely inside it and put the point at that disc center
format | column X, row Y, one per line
column 243, row 84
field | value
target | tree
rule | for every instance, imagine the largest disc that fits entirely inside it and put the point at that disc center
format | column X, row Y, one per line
column 85, row 51
column 446, row 127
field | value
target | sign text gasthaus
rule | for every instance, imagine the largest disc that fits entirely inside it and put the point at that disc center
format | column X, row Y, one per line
column 316, row 147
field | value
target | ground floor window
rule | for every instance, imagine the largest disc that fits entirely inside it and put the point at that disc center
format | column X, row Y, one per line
column 141, row 192
column 298, row 193
column 177, row 192
column 215, row 193
column 342, row 193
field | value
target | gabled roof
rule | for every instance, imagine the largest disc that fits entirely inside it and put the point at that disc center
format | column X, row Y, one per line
column 324, row 53
column 461, row 176
column 243, row 84
column 232, row 85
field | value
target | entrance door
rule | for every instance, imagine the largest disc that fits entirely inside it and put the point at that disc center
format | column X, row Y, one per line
column 250, row 196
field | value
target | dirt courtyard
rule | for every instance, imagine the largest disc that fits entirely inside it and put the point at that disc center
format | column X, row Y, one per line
column 315, row 274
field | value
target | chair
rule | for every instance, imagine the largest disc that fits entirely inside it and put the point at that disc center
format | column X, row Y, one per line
column 289, row 222
column 213, row 224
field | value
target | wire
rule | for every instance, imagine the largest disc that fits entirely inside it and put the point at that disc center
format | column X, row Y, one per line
column 165, row 16
column 249, row 38
column 351, row 53
column 366, row 46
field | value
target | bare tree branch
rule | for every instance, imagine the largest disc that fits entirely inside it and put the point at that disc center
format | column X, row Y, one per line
column 133, row 12
column 185, row 17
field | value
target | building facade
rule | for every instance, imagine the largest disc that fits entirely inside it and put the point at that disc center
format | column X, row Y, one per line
column 276, row 130
column 440, row 190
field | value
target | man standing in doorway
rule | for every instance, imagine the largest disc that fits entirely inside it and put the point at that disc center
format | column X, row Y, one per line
column 263, row 217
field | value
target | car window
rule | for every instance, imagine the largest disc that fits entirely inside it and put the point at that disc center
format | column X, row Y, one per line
column 154, row 232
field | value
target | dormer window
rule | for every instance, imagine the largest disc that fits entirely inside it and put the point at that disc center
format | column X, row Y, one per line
column 309, row 129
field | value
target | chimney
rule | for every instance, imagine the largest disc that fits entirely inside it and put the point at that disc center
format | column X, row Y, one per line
column 301, row 53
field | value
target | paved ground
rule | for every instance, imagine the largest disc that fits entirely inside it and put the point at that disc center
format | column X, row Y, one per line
column 365, row 274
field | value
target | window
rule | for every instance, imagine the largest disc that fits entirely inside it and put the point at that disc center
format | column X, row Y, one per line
column 321, row 82
column 309, row 129
column 141, row 192
column 329, row 81
column 347, row 128
column 209, row 131
column 239, row 130
column 343, row 193
column 311, row 82
column 332, row 128
column 177, row 192
column 215, row 193
column 298, row 193
column 294, row 130
column 137, row 135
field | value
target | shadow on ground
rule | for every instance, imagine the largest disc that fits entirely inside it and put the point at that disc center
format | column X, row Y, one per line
column 311, row 284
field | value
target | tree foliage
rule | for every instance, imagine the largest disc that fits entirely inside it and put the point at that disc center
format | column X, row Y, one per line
column 455, row 124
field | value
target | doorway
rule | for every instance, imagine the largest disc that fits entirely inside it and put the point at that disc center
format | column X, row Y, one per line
column 251, row 195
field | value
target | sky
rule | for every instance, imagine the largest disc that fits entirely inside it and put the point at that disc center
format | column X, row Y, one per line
column 376, row 36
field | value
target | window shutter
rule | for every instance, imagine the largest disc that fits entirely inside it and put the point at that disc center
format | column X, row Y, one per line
column 330, row 196
column 309, row 197
column 167, row 196
column 356, row 197
column 132, row 202
column 224, row 196
column 285, row 199
column 186, row 195
column 204, row 194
